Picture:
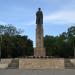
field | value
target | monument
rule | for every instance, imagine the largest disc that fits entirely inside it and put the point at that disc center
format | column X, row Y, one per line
column 39, row 51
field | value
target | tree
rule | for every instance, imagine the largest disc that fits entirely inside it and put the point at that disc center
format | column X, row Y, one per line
column 71, row 31
column 49, row 44
column 62, row 45
column 14, row 44
column 10, row 30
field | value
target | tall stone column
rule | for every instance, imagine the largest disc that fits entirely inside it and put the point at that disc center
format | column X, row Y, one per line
column 39, row 50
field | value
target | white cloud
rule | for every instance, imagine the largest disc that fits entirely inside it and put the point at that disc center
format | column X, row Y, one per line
column 61, row 17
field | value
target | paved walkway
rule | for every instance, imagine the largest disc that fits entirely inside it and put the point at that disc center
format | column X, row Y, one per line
column 37, row 72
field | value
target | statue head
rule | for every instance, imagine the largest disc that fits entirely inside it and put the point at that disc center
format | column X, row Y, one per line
column 39, row 9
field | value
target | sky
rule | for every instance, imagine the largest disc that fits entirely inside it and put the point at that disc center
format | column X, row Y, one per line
column 59, row 15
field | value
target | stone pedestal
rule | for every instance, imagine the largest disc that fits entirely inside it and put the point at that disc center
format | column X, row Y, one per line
column 39, row 52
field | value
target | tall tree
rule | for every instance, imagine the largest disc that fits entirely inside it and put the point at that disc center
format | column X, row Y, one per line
column 13, row 44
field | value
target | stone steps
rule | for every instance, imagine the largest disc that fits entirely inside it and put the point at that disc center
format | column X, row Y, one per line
column 14, row 64
column 69, row 64
column 37, row 63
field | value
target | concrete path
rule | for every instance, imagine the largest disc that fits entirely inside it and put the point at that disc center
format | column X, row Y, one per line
column 37, row 72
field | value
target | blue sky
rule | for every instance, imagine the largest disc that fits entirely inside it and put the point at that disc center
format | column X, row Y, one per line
column 58, row 15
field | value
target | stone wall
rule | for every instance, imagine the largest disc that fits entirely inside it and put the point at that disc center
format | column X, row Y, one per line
column 4, row 63
column 41, row 63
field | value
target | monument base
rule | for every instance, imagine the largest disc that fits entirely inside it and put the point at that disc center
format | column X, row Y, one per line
column 39, row 52
column 41, row 63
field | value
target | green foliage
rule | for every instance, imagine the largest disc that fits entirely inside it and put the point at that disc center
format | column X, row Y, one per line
column 9, row 30
column 62, row 45
column 13, row 44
